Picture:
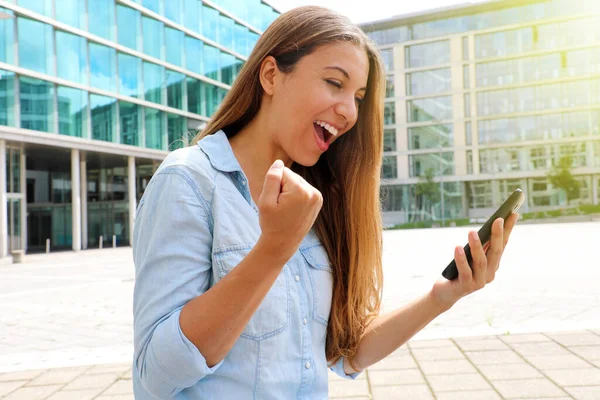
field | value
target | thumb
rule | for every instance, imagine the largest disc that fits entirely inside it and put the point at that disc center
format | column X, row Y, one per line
column 272, row 185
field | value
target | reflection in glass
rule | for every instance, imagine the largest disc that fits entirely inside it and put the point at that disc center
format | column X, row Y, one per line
column 35, row 46
column 37, row 104
column 104, row 118
column 153, row 37
column 103, row 67
column 389, row 113
column 389, row 86
column 72, row 112
column 191, row 16
column 155, row 132
column 422, row 55
column 210, row 23
column 72, row 60
column 173, row 10
column 7, row 98
column 130, row 117
column 194, row 50
column 154, row 5
column 174, row 40
column 430, row 137
column 429, row 82
column 103, row 22
column 389, row 140
column 433, row 109
column 240, row 34
column 72, row 13
column 226, row 28
column 227, row 68
column 176, row 127
column 43, row 7
column 154, row 77
column 175, row 82
column 388, row 60
column 436, row 162
column 129, row 75
column 211, row 61
column 389, row 169
column 7, row 37
column 129, row 22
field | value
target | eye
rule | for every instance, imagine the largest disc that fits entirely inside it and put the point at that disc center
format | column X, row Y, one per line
column 334, row 83
column 360, row 100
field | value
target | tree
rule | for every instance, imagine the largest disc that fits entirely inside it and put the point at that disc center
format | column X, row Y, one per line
column 560, row 176
column 427, row 191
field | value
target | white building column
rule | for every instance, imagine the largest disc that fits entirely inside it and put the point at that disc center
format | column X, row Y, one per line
column 3, row 205
column 84, row 213
column 75, row 200
column 132, row 195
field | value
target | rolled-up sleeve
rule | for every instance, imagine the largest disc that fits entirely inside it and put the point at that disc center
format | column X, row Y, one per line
column 172, row 250
column 338, row 368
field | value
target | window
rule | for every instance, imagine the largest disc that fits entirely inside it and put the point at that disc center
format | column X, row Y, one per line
column 389, row 168
column 72, row 12
column 155, row 132
column 103, row 23
column 177, row 129
column 103, row 68
column 173, row 10
column 7, row 98
column 7, row 38
column 210, row 23
column 227, row 68
column 428, row 82
column 192, row 15
column 430, row 137
column 432, row 109
column 240, row 39
column 211, row 62
column 154, row 78
column 194, row 50
column 467, row 105
column 72, row 59
column 36, row 46
column 389, row 113
column 175, row 82
column 465, row 48
column 154, row 5
column 388, row 60
column 389, row 86
column 437, row 162
column 43, row 7
column 480, row 194
column 104, row 118
column 129, row 22
column 423, row 55
column 129, row 75
column 174, row 40
column 72, row 112
column 389, row 140
column 226, row 29
column 468, row 134
column 153, row 37
column 466, row 77
column 130, row 123
column 37, row 104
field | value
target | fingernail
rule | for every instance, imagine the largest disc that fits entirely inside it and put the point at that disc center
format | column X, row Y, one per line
column 461, row 251
column 278, row 164
column 501, row 223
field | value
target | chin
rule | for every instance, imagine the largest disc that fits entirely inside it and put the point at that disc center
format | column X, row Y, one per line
column 306, row 161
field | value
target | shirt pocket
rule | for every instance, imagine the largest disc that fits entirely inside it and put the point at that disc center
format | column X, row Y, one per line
column 273, row 313
column 321, row 280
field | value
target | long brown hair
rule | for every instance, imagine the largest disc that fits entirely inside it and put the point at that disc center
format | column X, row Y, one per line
column 348, row 175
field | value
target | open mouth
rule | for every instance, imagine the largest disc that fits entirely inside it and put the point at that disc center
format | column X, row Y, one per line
column 323, row 133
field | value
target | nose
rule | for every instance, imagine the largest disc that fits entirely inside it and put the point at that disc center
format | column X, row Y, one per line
column 347, row 108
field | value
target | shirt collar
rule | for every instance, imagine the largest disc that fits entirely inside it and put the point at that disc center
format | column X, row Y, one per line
column 219, row 152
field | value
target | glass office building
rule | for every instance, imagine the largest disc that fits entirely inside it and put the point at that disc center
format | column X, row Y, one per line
column 485, row 98
column 93, row 95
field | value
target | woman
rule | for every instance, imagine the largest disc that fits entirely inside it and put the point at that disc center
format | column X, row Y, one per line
column 258, row 249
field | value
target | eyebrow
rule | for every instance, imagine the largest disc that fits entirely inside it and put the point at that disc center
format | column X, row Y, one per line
column 343, row 71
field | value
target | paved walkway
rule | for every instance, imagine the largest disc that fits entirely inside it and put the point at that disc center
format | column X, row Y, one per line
column 66, row 319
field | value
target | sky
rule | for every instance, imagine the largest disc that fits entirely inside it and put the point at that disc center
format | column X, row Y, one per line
column 370, row 10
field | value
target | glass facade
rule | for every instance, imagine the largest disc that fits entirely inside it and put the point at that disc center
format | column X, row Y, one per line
column 428, row 82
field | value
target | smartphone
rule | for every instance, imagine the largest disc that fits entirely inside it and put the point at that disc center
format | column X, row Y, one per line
column 512, row 204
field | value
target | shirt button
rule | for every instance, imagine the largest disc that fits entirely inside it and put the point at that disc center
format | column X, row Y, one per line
column 307, row 365
column 304, row 321
column 297, row 278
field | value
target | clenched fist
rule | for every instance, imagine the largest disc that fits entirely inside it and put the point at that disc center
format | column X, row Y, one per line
column 288, row 207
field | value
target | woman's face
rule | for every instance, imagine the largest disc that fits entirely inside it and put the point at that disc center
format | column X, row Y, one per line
column 318, row 101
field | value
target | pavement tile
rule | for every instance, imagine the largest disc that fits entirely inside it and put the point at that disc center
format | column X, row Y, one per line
column 122, row 386
column 527, row 388
column 576, row 339
column 509, row 371
column 117, row 397
column 127, row 375
column 590, row 353
column 468, row 395
column 349, row 388
column 524, row 338
column 454, row 382
column 101, row 369
column 406, row 392
column 557, row 362
column 88, row 394
column 400, row 362
column 584, row 392
column 396, row 377
column 20, row 376
column 11, row 386
column 92, row 381
column 539, row 349
column 33, row 392
column 444, row 367
column 438, row 353
column 58, row 375
column 419, row 344
column 493, row 357
column 575, row 377
column 481, row 344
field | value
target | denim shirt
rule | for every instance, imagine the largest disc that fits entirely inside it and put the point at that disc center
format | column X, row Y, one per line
column 195, row 222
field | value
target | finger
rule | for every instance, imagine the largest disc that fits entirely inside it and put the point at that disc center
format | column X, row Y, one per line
column 464, row 271
column 496, row 244
column 479, row 259
column 272, row 184
column 509, row 224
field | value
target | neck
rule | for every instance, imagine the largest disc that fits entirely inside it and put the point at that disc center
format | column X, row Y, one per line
column 256, row 149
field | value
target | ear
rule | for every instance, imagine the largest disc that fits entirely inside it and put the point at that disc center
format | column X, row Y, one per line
column 268, row 74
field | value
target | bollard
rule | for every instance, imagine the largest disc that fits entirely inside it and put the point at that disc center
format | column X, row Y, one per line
column 100, row 242
column 47, row 246
column 114, row 241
